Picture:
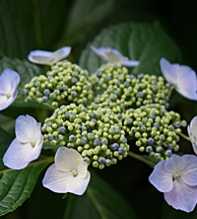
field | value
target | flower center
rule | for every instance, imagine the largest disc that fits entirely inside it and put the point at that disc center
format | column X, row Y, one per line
column 74, row 172
column 176, row 176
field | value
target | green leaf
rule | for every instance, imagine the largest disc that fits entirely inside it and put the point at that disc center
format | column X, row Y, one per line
column 91, row 13
column 99, row 202
column 146, row 42
column 16, row 186
column 6, row 123
column 26, row 25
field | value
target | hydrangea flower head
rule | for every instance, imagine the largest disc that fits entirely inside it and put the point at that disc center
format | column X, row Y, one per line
column 9, row 81
column 182, row 77
column 177, row 179
column 48, row 58
column 27, row 145
column 113, row 56
column 68, row 174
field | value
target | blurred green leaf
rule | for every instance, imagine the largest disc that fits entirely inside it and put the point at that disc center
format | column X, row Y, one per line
column 17, row 185
column 99, row 202
column 84, row 16
column 6, row 123
column 26, row 25
column 146, row 42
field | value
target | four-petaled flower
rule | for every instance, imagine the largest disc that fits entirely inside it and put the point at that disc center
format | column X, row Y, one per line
column 27, row 145
column 48, row 58
column 177, row 179
column 69, row 173
column 9, row 81
column 182, row 77
column 192, row 132
column 113, row 56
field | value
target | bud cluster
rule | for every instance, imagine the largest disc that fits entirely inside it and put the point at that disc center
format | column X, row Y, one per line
column 153, row 130
column 96, row 134
column 120, row 89
column 64, row 83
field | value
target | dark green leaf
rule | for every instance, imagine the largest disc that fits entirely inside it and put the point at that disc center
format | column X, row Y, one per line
column 17, row 186
column 26, row 25
column 85, row 15
column 99, row 202
column 146, row 42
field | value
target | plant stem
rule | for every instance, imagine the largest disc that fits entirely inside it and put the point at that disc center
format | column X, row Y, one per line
column 141, row 158
column 185, row 137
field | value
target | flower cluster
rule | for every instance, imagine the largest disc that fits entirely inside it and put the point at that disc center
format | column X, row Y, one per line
column 97, row 119
column 154, row 130
column 121, row 90
column 96, row 134
column 64, row 83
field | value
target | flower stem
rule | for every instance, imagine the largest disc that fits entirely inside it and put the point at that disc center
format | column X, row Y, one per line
column 185, row 137
column 141, row 158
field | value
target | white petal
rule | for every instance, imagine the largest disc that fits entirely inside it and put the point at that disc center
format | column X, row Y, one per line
column 130, row 63
column 18, row 155
column 5, row 102
column 69, row 159
column 55, row 180
column 27, row 129
column 9, row 81
column 192, row 132
column 108, row 54
column 63, row 182
column 160, row 178
column 41, row 57
column 182, row 197
column 61, row 54
column 187, row 82
column 113, row 56
column 169, row 71
column 78, row 185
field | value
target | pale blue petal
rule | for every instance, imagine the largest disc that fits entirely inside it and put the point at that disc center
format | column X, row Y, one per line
column 130, row 63
column 160, row 178
column 101, row 52
column 189, row 174
column 6, row 102
column 169, row 71
column 187, row 82
column 41, row 57
column 61, row 54
column 9, row 81
column 174, row 164
column 182, row 197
